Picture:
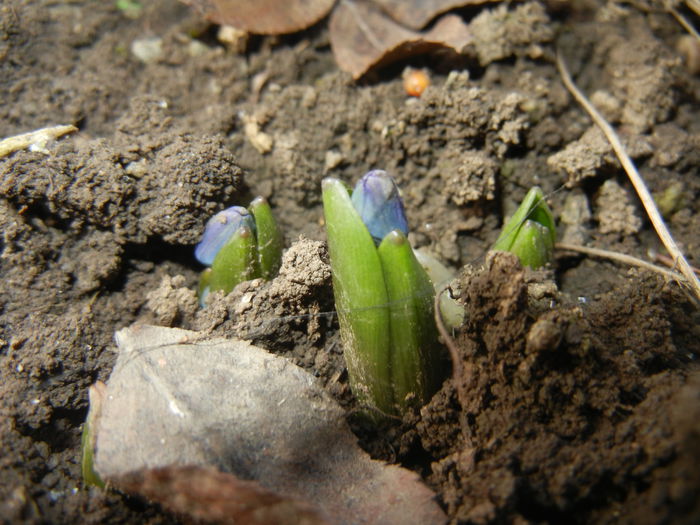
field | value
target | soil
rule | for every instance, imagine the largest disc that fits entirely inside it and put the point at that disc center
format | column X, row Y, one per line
column 578, row 398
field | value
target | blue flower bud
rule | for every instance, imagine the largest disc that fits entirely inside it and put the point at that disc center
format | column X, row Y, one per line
column 219, row 231
column 376, row 198
column 383, row 297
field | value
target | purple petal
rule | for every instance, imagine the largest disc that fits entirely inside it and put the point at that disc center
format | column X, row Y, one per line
column 376, row 198
column 219, row 230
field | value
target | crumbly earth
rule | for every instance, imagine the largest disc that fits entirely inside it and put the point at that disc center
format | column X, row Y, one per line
column 577, row 399
column 557, row 419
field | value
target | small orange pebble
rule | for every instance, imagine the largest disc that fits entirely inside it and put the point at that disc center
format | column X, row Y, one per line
column 415, row 81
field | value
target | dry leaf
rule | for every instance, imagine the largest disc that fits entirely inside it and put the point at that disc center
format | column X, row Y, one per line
column 267, row 17
column 415, row 14
column 362, row 37
column 175, row 398
column 364, row 33
column 208, row 495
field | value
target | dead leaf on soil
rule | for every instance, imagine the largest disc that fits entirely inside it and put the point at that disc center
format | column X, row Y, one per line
column 178, row 399
column 417, row 13
column 363, row 33
column 209, row 495
column 266, row 17
column 362, row 37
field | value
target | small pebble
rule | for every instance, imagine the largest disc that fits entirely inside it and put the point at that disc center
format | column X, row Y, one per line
column 689, row 48
column 147, row 50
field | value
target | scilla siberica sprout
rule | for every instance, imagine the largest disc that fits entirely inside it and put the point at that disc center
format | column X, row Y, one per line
column 530, row 233
column 238, row 245
column 383, row 296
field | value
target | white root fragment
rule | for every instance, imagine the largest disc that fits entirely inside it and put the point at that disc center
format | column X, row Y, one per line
column 260, row 140
column 35, row 140
column 233, row 38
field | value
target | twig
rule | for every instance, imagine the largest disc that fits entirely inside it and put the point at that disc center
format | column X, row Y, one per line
column 37, row 139
column 635, row 178
column 682, row 20
column 665, row 259
column 621, row 257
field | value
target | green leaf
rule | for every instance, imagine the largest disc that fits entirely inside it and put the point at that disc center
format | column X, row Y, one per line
column 414, row 357
column 237, row 261
column 87, row 439
column 534, row 246
column 90, row 477
column 130, row 8
column 452, row 312
column 270, row 240
column 360, row 297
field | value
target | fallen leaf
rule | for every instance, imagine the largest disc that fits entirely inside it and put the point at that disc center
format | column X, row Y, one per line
column 209, row 495
column 364, row 34
column 415, row 14
column 362, row 37
column 267, row 17
column 176, row 398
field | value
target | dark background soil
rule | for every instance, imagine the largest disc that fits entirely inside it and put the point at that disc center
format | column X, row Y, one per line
column 580, row 396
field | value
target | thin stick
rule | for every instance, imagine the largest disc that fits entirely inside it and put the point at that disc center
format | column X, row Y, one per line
column 620, row 257
column 694, row 5
column 682, row 20
column 37, row 138
column 635, row 178
column 665, row 259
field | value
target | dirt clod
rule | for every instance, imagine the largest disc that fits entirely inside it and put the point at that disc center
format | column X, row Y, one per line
column 540, row 395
